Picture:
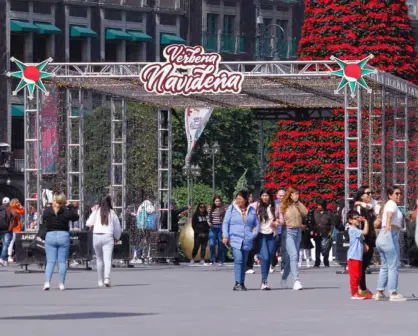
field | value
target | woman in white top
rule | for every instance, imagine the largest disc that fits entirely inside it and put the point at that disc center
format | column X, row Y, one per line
column 106, row 230
column 392, row 221
column 269, row 218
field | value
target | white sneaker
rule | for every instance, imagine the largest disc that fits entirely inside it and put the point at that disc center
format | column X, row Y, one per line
column 265, row 286
column 250, row 271
column 10, row 260
column 380, row 297
column 61, row 287
column 3, row 262
column 272, row 269
column 220, row 264
column 191, row 262
column 46, row 286
column 297, row 285
column 397, row 298
column 283, row 284
column 202, row 263
column 300, row 265
column 107, row 282
column 100, row 283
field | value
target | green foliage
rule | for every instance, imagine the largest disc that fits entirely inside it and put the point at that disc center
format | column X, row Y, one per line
column 141, row 153
column 236, row 132
column 201, row 193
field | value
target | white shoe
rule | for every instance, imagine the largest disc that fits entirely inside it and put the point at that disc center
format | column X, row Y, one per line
column 202, row 263
column 283, row 284
column 272, row 269
column 297, row 285
column 3, row 262
column 107, row 282
column 191, row 262
column 397, row 298
column 10, row 260
column 100, row 283
column 61, row 287
column 300, row 265
column 265, row 286
column 250, row 271
column 220, row 264
column 46, row 286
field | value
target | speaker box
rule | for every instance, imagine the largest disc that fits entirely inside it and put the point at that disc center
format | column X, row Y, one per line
column 163, row 245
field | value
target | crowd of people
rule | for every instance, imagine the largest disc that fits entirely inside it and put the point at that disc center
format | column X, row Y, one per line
column 275, row 225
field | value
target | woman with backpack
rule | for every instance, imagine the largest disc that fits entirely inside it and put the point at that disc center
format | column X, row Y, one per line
column 55, row 220
column 239, row 229
column 106, row 230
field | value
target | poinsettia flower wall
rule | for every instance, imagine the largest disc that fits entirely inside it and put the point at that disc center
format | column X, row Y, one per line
column 311, row 154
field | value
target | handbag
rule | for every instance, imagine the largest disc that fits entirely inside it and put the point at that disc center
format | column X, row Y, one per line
column 384, row 241
column 326, row 244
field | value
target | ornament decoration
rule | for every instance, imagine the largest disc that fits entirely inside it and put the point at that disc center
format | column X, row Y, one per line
column 31, row 76
column 352, row 73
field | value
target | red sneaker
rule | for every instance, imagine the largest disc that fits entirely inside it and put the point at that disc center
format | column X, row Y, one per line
column 357, row 296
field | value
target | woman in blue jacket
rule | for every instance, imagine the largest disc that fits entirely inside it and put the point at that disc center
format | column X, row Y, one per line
column 239, row 228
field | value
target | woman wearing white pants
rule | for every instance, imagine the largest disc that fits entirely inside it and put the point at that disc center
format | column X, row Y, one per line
column 106, row 229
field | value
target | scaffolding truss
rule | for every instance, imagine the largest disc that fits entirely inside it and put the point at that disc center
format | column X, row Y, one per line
column 294, row 84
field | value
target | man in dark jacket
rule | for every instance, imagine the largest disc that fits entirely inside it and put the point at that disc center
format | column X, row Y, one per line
column 6, row 236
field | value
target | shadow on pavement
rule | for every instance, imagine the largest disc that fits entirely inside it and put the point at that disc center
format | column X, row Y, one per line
column 76, row 316
column 114, row 286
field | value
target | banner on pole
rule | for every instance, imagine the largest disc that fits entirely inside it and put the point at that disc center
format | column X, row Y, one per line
column 195, row 120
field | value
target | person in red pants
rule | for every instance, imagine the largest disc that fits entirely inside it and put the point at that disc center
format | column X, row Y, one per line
column 355, row 251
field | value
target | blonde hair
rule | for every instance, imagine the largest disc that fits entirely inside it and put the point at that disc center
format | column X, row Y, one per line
column 287, row 200
column 59, row 201
column 14, row 201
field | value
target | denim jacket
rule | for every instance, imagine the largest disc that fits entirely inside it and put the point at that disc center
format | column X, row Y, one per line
column 240, row 235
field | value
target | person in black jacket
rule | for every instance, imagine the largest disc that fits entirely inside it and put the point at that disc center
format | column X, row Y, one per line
column 363, row 204
column 56, row 220
column 200, row 227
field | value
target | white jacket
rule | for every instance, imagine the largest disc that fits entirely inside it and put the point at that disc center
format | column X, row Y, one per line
column 113, row 228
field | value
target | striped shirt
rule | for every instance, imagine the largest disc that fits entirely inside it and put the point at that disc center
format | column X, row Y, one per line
column 217, row 216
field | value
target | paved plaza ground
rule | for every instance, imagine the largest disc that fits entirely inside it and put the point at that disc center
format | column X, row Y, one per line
column 199, row 301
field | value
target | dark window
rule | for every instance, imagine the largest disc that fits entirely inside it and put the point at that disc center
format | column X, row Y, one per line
column 78, row 11
column 113, row 14
column 111, row 51
column 212, row 23
column 17, row 50
column 230, row 4
column 168, row 20
column 42, row 8
column 18, row 131
column 267, row 22
column 213, row 2
column 168, row 4
column 266, row 7
column 134, row 3
column 134, row 16
column 19, row 6
column 133, row 52
column 40, row 47
column 76, row 50
column 279, row 33
column 229, row 24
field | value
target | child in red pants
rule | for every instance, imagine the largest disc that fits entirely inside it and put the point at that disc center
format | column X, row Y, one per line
column 355, row 251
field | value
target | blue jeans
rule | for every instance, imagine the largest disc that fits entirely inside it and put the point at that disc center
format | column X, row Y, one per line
column 266, row 245
column 389, row 269
column 291, row 243
column 215, row 238
column 6, row 238
column 240, row 264
column 57, row 245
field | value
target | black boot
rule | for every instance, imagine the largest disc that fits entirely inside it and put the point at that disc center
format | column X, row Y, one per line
column 237, row 287
column 243, row 287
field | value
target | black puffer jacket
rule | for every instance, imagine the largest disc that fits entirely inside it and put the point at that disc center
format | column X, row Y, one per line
column 200, row 224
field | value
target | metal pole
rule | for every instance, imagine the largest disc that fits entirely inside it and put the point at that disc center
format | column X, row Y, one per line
column 405, row 193
column 213, row 173
column 38, row 153
column 69, row 146
column 81, row 159
column 370, row 142
column 395, row 130
column 124, row 163
column 383, row 154
column 346, row 155
column 258, row 41
column 261, row 149
column 359, row 140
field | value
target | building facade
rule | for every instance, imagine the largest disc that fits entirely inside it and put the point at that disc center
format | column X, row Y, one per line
column 413, row 13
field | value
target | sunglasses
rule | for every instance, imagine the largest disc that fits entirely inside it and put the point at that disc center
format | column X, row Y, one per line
column 368, row 193
column 202, row 206
column 398, row 193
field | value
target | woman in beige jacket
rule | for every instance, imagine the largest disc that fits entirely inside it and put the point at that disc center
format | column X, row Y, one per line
column 293, row 211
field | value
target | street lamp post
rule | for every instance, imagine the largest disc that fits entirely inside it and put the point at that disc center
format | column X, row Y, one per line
column 212, row 151
column 190, row 171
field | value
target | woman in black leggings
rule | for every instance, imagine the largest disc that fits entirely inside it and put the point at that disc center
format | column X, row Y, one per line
column 200, row 227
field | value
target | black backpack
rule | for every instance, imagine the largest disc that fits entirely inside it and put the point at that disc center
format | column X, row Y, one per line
column 4, row 219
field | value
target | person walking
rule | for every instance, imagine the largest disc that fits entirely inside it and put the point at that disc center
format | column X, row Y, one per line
column 17, row 225
column 56, row 221
column 269, row 220
column 216, row 216
column 278, row 238
column 8, row 219
column 387, row 244
column 239, row 228
column 201, row 232
column 106, row 230
column 323, row 224
column 293, row 212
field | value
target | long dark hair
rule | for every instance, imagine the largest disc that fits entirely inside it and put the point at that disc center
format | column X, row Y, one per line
column 360, row 192
column 198, row 209
column 213, row 207
column 105, row 207
column 262, row 212
column 245, row 195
